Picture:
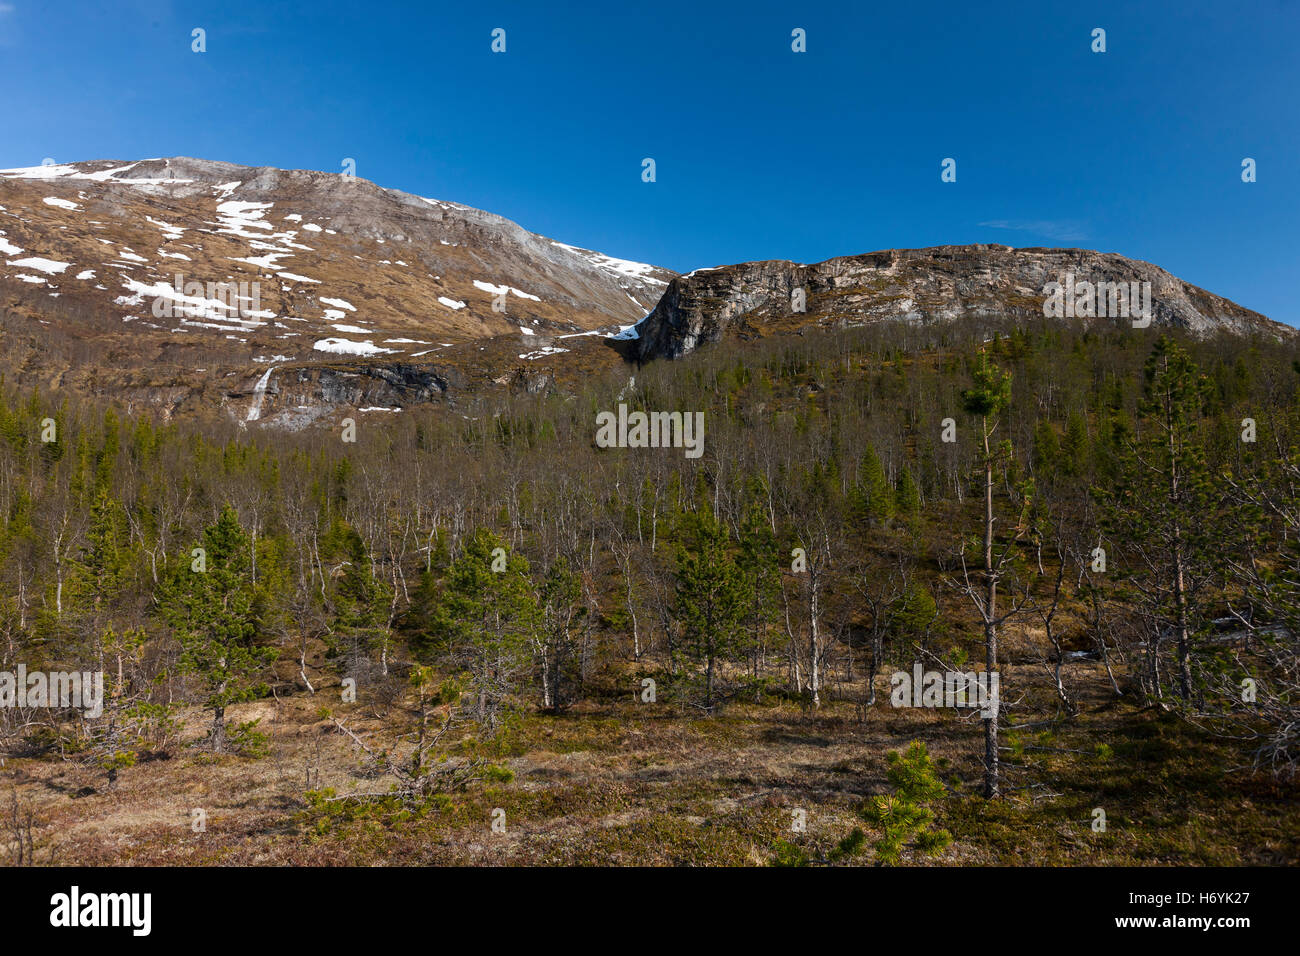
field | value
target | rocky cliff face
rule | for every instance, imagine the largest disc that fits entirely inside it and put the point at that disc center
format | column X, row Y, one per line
column 945, row 283
column 295, row 397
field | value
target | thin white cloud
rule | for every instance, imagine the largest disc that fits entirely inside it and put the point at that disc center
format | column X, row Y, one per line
column 1058, row 230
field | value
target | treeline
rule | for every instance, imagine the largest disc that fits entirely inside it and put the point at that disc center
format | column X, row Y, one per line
column 861, row 501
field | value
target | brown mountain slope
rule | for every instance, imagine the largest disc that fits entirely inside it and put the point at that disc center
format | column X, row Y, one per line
column 113, row 278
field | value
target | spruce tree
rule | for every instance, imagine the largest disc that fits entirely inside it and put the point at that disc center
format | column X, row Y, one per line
column 362, row 602
column 907, row 496
column 873, row 499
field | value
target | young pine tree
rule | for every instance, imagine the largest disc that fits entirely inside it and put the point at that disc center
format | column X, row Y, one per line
column 486, row 618
column 987, row 399
column 209, row 603
column 710, row 598
column 905, row 814
column 1165, row 510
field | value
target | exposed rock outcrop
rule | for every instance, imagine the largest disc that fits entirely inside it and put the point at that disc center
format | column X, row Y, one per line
column 944, row 283
column 295, row 395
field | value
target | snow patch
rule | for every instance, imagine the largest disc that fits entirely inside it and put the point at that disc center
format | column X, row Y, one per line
column 640, row 270
column 41, row 265
column 66, row 171
column 627, row 333
column 263, row 262
column 503, row 289
column 170, row 231
column 542, row 352
column 348, row 347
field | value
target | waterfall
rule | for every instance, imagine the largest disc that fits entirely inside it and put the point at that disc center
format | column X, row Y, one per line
column 259, row 393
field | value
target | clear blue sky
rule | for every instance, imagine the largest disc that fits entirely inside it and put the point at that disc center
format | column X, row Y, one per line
column 761, row 152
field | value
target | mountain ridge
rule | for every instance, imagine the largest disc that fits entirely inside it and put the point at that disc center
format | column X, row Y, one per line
column 299, row 220
column 277, row 296
column 177, row 281
column 936, row 283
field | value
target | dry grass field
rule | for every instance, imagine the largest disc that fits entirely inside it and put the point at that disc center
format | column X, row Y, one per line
column 620, row 782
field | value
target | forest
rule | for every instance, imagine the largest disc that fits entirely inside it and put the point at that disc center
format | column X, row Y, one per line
column 1108, row 518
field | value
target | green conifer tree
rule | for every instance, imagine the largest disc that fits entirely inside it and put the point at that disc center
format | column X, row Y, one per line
column 710, row 598
column 486, row 619
column 208, row 601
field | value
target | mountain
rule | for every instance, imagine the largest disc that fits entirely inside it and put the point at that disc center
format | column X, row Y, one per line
column 279, row 297
column 944, row 283
column 140, row 278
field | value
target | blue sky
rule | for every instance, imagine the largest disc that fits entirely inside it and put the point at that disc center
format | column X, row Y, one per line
column 761, row 153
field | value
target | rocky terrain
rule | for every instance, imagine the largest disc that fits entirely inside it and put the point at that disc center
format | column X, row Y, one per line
column 945, row 283
column 278, row 297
